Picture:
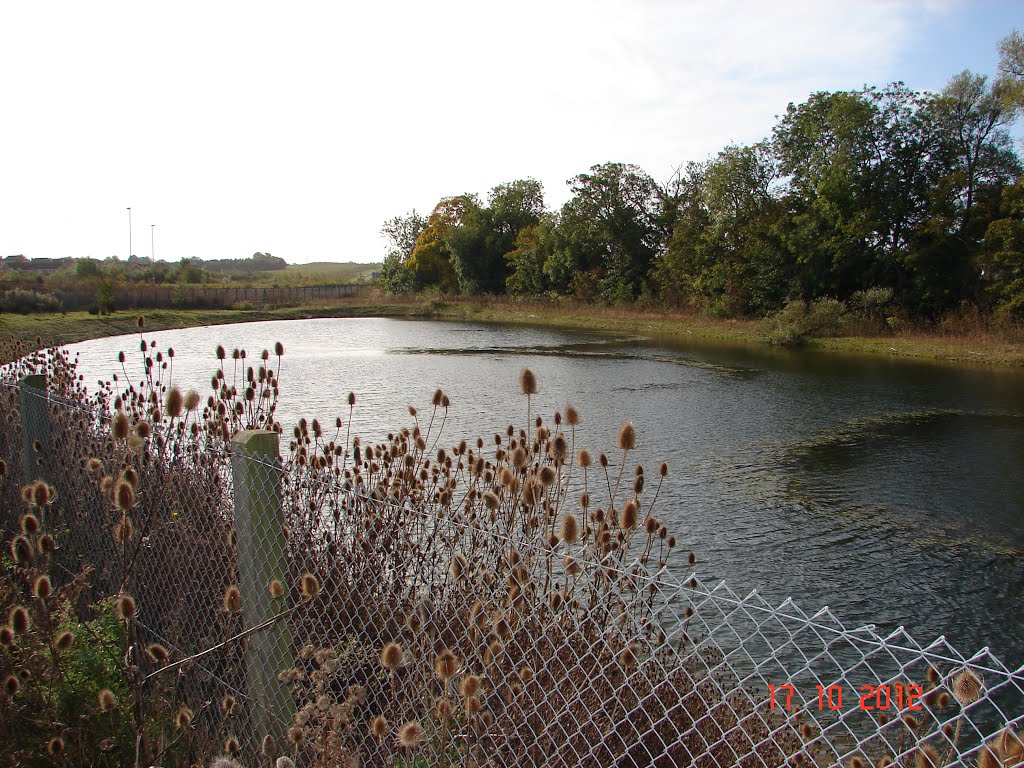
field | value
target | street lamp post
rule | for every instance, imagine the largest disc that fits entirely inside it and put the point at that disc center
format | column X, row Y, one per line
column 152, row 248
column 129, row 232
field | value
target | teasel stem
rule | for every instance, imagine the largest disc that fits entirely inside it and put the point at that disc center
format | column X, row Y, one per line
column 244, row 633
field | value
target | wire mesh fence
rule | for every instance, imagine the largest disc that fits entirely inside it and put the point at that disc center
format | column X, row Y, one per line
column 401, row 604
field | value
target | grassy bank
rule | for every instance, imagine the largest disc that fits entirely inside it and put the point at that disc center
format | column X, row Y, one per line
column 969, row 347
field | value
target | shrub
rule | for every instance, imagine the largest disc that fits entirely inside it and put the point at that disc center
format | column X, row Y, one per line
column 23, row 302
column 796, row 322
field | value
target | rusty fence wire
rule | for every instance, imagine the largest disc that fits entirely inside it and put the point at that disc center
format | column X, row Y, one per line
column 348, row 621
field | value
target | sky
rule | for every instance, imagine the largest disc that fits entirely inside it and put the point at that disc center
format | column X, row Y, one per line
column 298, row 128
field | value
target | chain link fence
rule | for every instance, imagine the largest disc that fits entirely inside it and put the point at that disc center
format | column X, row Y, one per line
column 388, row 605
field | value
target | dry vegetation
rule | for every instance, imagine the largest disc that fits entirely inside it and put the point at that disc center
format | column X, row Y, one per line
column 492, row 602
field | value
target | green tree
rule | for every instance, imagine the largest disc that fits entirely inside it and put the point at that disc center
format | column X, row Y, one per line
column 483, row 237
column 1010, row 85
column 533, row 248
column 430, row 261
column 401, row 232
column 1003, row 267
column 608, row 229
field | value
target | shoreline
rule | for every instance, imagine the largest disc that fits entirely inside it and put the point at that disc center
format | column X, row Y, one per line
column 970, row 350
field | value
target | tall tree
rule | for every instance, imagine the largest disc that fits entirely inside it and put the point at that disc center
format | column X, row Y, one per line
column 401, row 233
column 611, row 229
column 480, row 243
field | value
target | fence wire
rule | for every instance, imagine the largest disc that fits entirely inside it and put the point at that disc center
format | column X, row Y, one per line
column 388, row 609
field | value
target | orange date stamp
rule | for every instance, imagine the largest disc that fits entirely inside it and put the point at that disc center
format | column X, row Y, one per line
column 871, row 698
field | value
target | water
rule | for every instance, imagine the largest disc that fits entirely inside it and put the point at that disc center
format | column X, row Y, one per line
column 890, row 491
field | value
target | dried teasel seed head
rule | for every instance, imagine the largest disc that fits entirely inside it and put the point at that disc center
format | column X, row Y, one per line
column 391, row 656
column 966, row 688
column 64, row 640
column 583, row 458
column 231, row 745
column 527, row 382
column 410, row 735
column 29, row 524
column 626, row 439
column 174, row 402
column 157, row 653
column 927, row 757
column 663, row 469
column 40, row 494
column 232, row 600
column 21, row 550
column 55, row 745
column 444, row 709
column 570, row 531
column 275, row 588
column 106, row 700
column 446, row 665
column 987, row 758
column 191, row 400
column 628, row 655
column 469, row 685
column 125, row 606
column 120, row 426
column 18, row 620
column 310, row 586
column 183, row 717
column 630, row 511
column 6, row 636
column 11, row 686
column 856, row 762
column 41, row 587
column 457, row 566
column 572, row 416
column 124, row 495
column 351, row 399
column 379, row 727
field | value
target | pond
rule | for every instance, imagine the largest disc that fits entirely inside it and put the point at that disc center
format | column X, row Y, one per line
column 890, row 491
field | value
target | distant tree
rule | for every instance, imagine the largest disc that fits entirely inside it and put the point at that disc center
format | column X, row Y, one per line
column 401, row 232
column 533, row 248
column 482, row 238
column 608, row 229
column 1003, row 266
column 87, row 269
column 1010, row 85
column 430, row 261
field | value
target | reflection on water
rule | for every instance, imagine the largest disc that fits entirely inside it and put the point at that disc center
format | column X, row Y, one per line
column 890, row 491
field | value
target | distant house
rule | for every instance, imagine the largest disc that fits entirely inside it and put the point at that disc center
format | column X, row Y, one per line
column 23, row 264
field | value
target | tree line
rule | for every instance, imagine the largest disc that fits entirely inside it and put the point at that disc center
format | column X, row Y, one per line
column 879, row 196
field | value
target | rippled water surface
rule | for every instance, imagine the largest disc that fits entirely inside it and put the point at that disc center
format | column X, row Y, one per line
column 892, row 492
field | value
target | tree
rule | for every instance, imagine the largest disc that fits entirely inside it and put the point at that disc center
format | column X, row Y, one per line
column 483, row 237
column 533, row 248
column 974, row 120
column 430, row 261
column 609, row 228
column 401, row 233
column 1003, row 267
column 1010, row 85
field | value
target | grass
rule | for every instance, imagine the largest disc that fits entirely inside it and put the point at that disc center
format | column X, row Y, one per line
column 968, row 345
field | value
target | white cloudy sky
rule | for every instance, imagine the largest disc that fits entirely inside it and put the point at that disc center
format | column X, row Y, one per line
column 299, row 127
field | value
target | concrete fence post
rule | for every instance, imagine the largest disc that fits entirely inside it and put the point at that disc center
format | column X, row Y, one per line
column 35, row 427
column 259, row 536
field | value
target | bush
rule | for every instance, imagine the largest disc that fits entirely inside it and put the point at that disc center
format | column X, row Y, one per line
column 23, row 302
column 796, row 322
